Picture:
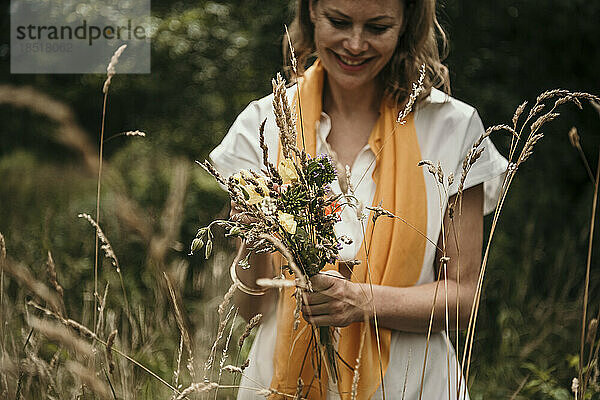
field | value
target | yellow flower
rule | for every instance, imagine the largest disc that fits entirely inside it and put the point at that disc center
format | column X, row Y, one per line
column 239, row 177
column 287, row 171
column 253, row 196
column 288, row 222
column 262, row 183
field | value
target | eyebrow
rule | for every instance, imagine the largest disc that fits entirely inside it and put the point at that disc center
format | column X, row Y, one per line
column 379, row 18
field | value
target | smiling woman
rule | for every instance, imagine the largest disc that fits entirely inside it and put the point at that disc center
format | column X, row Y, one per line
column 409, row 27
column 355, row 48
column 368, row 54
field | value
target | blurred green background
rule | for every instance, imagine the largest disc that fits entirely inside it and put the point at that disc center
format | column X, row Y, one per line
column 209, row 60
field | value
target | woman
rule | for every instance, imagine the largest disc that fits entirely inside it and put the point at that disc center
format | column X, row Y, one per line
column 369, row 53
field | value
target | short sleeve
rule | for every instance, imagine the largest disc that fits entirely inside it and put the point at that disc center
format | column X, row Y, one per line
column 240, row 148
column 489, row 169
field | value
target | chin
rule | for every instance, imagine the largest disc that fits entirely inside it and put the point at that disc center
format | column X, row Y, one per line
column 349, row 79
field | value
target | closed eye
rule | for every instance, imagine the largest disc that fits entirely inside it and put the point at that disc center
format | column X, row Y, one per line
column 338, row 23
column 378, row 29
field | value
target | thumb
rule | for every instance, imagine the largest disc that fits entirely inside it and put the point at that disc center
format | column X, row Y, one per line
column 324, row 280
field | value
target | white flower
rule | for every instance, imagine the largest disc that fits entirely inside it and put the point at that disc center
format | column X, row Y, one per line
column 288, row 222
column 287, row 171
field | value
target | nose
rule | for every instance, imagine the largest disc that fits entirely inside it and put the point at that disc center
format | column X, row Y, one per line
column 355, row 43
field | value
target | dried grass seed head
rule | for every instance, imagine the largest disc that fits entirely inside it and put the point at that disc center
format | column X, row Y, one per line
column 417, row 88
column 226, row 300
column 51, row 271
column 254, row 321
column 592, row 328
column 105, row 244
column 2, row 247
column 135, row 133
column 574, row 137
column 197, row 388
column 293, row 59
column 233, row 369
column 517, row 114
column 109, row 345
column 110, row 70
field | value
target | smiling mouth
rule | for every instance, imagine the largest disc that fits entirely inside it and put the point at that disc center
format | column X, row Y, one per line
column 351, row 62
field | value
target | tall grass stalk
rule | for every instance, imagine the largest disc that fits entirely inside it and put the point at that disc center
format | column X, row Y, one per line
column 587, row 280
column 563, row 96
column 110, row 73
column 372, row 300
column 2, row 258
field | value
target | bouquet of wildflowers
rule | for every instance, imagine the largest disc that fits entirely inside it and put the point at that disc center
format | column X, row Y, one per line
column 291, row 206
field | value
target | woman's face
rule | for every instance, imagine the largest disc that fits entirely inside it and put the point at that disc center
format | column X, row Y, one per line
column 356, row 38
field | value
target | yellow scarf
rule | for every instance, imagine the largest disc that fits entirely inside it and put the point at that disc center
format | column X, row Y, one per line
column 396, row 253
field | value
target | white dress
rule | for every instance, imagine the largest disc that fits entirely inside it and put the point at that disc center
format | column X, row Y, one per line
column 446, row 129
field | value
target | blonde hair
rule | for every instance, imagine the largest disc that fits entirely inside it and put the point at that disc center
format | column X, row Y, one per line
column 417, row 45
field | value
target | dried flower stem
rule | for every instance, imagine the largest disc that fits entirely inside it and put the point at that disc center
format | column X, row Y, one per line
column 406, row 374
column 226, row 300
column 110, row 254
column 181, row 324
column 128, row 133
column 177, row 371
column 379, row 211
column 301, row 279
column 222, row 325
column 356, row 376
column 51, row 271
column 575, row 142
column 110, row 72
column 417, row 88
column 2, row 261
column 254, row 321
column 587, row 277
column 225, row 349
column 375, row 319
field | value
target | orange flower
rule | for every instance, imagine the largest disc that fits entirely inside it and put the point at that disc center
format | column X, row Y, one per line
column 333, row 208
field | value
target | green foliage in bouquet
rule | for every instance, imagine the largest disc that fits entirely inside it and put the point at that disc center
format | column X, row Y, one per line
column 292, row 203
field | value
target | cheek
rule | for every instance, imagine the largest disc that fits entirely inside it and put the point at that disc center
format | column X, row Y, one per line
column 387, row 45
column 325, row 35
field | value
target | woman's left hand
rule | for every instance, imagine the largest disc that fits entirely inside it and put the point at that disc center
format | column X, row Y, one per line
column 334, row 301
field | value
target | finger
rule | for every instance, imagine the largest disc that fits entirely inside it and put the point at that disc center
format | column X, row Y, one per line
column 321, row 320
column 322, row 282
column 332, row 272
column 316, row 298
column 319, row 309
